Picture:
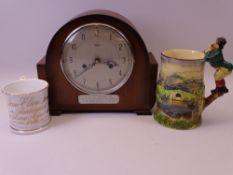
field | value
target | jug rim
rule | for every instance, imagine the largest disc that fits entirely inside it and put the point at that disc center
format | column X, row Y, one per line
column 184, row 54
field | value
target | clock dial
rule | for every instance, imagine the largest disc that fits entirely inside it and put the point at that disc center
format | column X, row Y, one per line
column 97, row 59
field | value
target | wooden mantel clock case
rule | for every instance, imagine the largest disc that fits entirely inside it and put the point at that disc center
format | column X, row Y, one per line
column 98, row 62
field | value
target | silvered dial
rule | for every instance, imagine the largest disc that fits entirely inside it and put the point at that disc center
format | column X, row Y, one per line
column 97, row 59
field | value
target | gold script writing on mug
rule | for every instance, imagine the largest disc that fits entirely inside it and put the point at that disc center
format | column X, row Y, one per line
column 28, row 110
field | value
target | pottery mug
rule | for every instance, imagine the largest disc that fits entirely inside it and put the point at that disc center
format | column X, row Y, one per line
column 180, row 89
column 27, row 101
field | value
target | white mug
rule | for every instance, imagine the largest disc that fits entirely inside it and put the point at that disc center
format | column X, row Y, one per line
column 27, row 101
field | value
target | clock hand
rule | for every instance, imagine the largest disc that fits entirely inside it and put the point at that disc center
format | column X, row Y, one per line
column 86, row 68
column 109, row 62
column 96, row 61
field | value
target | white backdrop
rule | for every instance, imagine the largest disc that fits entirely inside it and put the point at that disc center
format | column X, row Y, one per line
column 28, row 25
column 112, row 143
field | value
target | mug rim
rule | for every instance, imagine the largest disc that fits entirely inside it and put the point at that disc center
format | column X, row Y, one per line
column 200, row 58
column 6, row 92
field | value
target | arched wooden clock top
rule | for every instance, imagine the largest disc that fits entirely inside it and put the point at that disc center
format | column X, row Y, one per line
column 98, row 62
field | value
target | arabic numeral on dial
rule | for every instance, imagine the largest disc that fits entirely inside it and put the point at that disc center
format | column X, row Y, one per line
column 130, row 61
column 73, row 46
column 67, row 60
column 70, row 60
column 120, row 72
column 120, row 46
column 110, row 81
column 97, row 33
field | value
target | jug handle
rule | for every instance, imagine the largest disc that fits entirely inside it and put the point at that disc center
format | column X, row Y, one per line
column 211, row 98
column 214, row 56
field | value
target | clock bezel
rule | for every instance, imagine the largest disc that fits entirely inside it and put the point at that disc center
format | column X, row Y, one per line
column 123, row 80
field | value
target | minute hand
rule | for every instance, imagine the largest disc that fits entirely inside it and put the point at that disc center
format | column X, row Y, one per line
column 86, row 69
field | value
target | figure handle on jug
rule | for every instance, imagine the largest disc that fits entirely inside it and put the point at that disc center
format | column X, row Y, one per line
column 214, row 56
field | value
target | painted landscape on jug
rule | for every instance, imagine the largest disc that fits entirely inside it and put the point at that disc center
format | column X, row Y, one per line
column 180, row 92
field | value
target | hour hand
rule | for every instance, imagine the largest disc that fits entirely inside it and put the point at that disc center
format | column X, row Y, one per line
column 86, row 68
column 110, row 63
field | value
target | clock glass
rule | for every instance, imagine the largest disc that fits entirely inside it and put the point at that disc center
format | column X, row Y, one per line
column 97, row 58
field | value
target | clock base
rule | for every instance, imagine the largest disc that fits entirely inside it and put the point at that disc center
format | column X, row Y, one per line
column 144, row 113
column 57, row 113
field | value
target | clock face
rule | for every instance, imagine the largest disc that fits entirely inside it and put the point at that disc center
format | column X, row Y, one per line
column 97, row 59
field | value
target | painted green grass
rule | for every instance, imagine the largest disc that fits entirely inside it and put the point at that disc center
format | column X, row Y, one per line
column 164, row 96
column 180, row 123
column 161, row 91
